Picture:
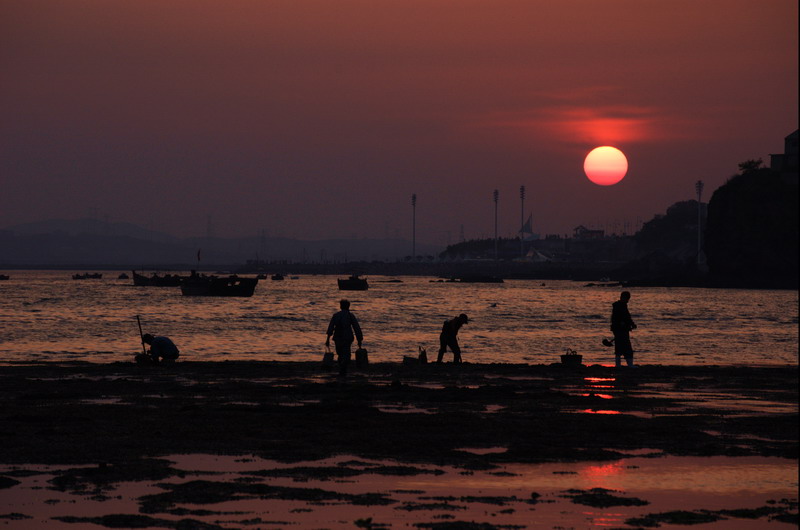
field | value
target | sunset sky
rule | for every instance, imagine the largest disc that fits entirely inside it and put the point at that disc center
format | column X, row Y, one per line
column 319, row 118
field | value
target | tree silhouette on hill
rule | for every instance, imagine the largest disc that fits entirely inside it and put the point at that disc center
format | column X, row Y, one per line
column 752, row 233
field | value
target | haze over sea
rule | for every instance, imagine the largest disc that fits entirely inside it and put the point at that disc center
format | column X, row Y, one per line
column 47, row 316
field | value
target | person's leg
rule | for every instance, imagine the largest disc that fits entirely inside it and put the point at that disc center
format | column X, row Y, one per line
column 343, row 355
column 622, row 346
column 442, row 348
column 456, row 350
column 629, row 359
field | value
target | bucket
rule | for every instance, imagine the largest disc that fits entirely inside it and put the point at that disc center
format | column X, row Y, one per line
column 572, row 360
column 362, row 359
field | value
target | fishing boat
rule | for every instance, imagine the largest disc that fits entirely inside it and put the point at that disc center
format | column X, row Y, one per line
column 277, row 276
column 201, row 285
column 4, row 277
column 87, row 276
column 353, row 283
column 154, row 280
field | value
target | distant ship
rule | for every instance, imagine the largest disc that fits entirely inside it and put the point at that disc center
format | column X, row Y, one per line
column 353, row 283
column 87, row 276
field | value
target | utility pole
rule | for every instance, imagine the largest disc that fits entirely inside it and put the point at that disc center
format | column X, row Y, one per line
column 414, row 227
column 496, row 196
column 521, row 220
column 698, row 186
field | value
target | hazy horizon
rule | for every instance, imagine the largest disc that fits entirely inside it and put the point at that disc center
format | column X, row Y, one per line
column 317, row 119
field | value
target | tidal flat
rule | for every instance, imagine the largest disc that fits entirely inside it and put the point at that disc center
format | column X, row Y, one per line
column 248, row 444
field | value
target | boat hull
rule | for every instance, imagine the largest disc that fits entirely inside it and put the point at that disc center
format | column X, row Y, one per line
column 212, row 286
column 156, row 281
column 351, row 284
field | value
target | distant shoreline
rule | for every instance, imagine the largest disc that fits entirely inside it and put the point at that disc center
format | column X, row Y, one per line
column 600, row 275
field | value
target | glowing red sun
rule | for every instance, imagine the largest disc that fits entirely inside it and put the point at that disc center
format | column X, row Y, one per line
column 605, row 165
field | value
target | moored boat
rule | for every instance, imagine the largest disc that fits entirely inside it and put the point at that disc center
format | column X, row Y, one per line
column 154, row 280
column 353, row 283
column 201, row 285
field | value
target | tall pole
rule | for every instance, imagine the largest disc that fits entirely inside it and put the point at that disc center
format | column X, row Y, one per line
column 699, row 189
column 414, row 226
column 521, row 219
column 496, row 196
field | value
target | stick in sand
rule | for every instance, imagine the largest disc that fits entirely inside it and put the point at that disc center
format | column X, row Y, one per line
column 141, row 335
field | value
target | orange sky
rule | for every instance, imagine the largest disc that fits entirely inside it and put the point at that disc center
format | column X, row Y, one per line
column 320, row 118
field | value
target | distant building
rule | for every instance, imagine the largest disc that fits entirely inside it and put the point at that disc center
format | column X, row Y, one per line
column 786, row 162
column 581, row 232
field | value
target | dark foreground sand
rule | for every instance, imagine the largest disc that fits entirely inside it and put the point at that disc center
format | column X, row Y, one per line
column 120, row 418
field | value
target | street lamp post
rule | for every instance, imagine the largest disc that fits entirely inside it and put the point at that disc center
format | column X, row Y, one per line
column 414, row 226
column 521, row 220
column 496, row 196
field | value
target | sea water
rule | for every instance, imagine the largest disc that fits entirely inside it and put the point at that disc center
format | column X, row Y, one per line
column 48, row 316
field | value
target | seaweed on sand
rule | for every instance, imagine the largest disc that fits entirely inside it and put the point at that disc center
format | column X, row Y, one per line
column 208, row 492
column 329, row 472
column 417, row 506
column 139, row 521
column 784, row 511
column 654, row 520
column 497, row 500
column 7, row 482
column 15, row 516
column 466, row 525
column 104, row 476
column 601, row 498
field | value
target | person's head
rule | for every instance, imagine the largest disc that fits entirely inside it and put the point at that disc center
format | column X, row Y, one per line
column 147, row 338
column 344, row 304
column 625, row 296
column 463, row 318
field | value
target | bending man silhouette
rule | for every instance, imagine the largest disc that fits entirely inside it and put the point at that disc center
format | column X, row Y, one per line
column 449, row 337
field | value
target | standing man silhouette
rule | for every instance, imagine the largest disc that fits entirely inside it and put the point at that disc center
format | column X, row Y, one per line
column 344, row 328
column 621, row 326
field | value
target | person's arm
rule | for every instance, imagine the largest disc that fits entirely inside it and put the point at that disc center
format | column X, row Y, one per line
column 357, row 329
column 629, row 319
column 329, row 332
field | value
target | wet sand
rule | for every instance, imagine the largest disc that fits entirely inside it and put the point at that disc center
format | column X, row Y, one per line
column 107, row 425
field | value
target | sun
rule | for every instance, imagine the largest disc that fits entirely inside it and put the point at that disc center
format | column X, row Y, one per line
column 605, row 165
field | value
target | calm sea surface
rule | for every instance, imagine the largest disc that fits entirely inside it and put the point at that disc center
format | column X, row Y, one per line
column 47, row 316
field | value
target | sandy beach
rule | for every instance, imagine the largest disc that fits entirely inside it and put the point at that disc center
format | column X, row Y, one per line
column 273, row 445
